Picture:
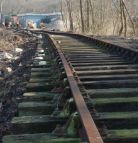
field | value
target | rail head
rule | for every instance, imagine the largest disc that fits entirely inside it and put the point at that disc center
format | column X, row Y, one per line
column 92, row 132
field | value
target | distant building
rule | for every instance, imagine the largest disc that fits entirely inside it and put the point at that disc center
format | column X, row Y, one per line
column 53, row 21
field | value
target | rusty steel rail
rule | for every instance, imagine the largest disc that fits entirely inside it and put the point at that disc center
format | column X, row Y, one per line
column 92, row 132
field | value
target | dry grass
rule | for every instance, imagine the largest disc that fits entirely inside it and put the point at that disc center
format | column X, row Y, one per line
column 9, row 40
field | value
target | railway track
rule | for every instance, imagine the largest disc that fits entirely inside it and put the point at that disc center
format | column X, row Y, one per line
column 74, row 74
column 110, row 81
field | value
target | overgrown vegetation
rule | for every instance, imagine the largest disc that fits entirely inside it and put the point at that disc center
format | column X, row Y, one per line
column 101, row 17
column 28, row 6
column 9, row 40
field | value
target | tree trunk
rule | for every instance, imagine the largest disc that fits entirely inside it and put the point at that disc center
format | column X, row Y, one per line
column 1, row 6
column 121, row 18
column 88, row 16
column 92, row 15
column 1, row 10
column 82, row 19
column 63, row 19
column 70, row 14
column 125, row 22
column 129, row 16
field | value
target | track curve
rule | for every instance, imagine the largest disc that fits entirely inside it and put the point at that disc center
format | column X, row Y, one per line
column 109, row 78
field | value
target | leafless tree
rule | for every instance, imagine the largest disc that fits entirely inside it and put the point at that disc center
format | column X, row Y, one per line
column 82, row 18
column 88, row 15
column 69, row 7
